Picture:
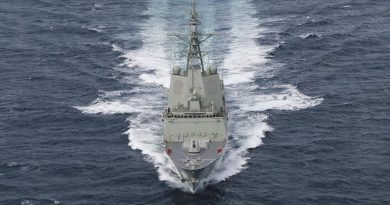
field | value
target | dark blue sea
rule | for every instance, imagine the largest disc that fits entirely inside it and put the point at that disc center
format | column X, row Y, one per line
column 83, row 84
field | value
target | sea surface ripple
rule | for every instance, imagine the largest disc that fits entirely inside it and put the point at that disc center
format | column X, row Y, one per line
column 83, row 83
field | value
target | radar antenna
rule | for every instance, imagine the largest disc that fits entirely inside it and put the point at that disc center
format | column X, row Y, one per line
column 195, row 54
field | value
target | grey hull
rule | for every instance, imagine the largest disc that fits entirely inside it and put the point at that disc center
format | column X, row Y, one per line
column 194, row 178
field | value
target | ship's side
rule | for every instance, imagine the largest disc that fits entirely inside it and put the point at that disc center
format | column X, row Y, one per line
column 195, row 120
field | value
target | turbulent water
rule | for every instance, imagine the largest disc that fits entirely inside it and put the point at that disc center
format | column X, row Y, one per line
column 83, row 85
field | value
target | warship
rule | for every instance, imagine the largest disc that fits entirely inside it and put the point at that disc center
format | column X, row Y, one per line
column 195, row 119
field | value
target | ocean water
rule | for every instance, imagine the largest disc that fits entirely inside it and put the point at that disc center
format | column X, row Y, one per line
column 83, row 83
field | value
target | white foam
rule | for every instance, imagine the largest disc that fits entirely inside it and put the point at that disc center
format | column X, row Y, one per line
column 286, row 97
column 153, row 56
column 119, row 102
column 108, row 107
column 96, row 29
column 310, row 35
column 145, row 135
column 116, row 48
column 247, row 133
column 244, row 56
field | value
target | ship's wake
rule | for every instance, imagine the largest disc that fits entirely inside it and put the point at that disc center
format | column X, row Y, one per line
column 244, row 61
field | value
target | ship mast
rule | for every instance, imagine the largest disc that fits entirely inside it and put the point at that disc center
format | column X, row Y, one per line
column 194, row 53
column 194, row 56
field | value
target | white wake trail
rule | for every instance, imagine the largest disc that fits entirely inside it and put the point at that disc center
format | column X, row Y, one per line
column 243, row 61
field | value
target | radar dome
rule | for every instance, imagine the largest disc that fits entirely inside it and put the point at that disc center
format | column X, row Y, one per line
column 176, row 70
column 213, row 69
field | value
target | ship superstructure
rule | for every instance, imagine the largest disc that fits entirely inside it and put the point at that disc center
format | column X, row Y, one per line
column 195, row 119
